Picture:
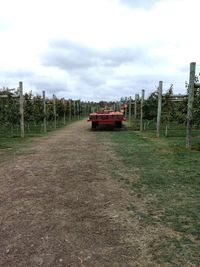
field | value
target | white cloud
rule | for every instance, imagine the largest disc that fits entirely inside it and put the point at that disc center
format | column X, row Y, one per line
column 110, row 47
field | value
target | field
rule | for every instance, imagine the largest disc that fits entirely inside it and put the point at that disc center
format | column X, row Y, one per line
column 76, row 197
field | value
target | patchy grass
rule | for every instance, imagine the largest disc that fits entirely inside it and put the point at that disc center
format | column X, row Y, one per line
column 168, row 190
column 11, row 143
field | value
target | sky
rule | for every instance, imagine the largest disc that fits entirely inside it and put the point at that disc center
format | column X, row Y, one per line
column 98, row 49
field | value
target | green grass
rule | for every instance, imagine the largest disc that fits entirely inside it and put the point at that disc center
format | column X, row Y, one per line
column 12, row 146
column 11, row 143
column 169, row 180
column 32, row 129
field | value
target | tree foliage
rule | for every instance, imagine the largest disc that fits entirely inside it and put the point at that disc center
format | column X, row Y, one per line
column 33, row 108
column 9, row 108
column 151, row 106
column 196, row 112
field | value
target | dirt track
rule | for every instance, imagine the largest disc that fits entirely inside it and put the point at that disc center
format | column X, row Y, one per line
column 61, row 207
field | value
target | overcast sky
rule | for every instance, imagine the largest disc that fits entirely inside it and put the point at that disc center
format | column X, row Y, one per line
column 98, row 49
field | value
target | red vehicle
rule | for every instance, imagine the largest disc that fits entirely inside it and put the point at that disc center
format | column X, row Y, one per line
column 106, row 117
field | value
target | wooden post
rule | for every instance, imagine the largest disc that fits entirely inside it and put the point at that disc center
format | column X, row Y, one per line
column 64, row 109
column 159, row 108
column 21, row 108
column 135, row 107
column 129, row 111
column 87, row 108
column 78, row 110
column 141, row 111
column 190, row 105
column 86, row 112
column 82, row 109
column 54, row 110
column 74, row 109
column 126, row 111
column 70, row 109
column 90, row 107
column 45, row 112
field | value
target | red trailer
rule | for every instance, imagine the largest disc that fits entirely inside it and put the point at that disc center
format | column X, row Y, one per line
column 106, row 117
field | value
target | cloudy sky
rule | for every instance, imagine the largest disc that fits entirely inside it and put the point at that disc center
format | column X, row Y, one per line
column 98, row 49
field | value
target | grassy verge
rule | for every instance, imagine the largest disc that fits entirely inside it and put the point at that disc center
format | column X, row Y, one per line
column 11, row 143
column 167, row 187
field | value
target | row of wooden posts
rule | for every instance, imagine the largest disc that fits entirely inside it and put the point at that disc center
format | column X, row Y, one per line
column 77, row 106
column 191, row 86
column 141, row 109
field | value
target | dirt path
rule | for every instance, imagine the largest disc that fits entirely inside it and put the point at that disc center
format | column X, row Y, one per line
column 59, row 206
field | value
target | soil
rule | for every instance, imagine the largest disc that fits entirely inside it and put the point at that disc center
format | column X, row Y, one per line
column 60, row 206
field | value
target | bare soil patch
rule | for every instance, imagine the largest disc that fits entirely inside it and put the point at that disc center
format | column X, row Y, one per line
column 59, row 206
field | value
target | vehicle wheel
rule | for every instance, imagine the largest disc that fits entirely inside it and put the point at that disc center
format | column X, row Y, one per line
column 118, row 124
column 94, row 125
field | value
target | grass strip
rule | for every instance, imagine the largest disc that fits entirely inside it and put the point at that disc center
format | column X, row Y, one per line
column 168, row 186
